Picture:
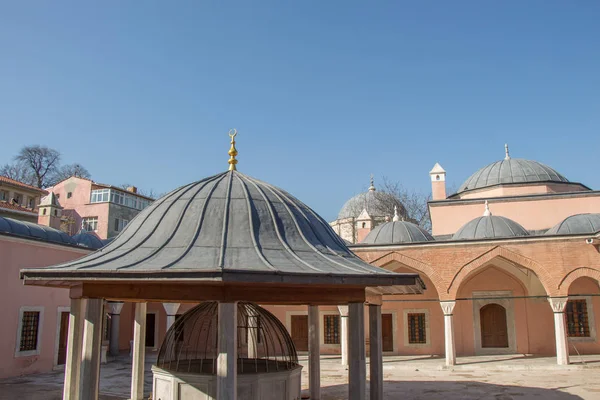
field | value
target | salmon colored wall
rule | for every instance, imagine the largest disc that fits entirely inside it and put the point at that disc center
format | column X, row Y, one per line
column 587, row 346
column 17, row 254
column 521, row 190
column 448, row 217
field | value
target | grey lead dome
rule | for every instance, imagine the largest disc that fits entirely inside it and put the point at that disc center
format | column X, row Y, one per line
column 396, row 232
column 580, row 223
column 512, row 170
column 490, row 226
column 229, row 222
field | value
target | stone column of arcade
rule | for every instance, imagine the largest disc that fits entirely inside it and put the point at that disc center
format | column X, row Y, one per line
column 91, row 346
column 171, row 310
column 73, row 361
column 227, row 358
column 314, row 354
column 139, row 352
column 376, row 352
column 558, row 305
column 357, row 368
column 448, row 308
column 114, row 310
column 344, row 333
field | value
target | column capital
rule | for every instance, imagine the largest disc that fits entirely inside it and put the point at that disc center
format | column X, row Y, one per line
column 114, row 308
column 343, row 311
column 448, row 306
column 558, row 304
column 171, row 308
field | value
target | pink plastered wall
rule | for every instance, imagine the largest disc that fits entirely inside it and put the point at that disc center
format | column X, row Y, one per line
column 532, row 214
column 17, row 254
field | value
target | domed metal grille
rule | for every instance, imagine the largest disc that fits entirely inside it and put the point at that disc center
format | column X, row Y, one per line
column 264, row 345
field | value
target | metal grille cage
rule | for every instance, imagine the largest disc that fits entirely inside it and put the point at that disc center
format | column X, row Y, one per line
column 264, row 345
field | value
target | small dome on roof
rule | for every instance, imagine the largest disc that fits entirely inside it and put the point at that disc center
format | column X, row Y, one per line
column 511, row 171
column 89, row 240
column 377, row 204
column 580, row 223
column 490, row 226
column 31, row 230
column 396, row 232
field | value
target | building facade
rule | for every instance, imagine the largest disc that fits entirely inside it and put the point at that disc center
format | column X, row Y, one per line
column 19, row 200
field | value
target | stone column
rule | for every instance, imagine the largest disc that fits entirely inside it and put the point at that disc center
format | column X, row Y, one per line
column 314, row 353
column 92, row 342
column 139, row 352
column 114, row 310
column 357, row 368
column 376, row 352
column 73, row 362
column 448, row 308
column 558, row 305
column 171, row 310
column 227, row 359
column 344, row 333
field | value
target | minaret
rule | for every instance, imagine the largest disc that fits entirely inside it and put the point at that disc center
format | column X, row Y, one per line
column 50, row 211
column 438, row 182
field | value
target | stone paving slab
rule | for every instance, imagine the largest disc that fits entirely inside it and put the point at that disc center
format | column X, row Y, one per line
column 481, row 378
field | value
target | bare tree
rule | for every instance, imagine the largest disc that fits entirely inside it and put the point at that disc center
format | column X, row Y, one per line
column 414, row 203
column 41, row 162
column 18, row 172
column 67, row 171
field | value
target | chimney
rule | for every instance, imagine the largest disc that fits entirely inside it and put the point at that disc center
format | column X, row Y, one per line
column 132, row 189
column 438, row 182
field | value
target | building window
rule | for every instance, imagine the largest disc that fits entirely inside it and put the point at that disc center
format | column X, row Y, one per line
column 331, row 325
column 118, row 197
column 120, row 224
column 17, row 199
column 44, row 211
column 29, row 331
column 56, row 213
column 577, row 319
column 100, row 196
column 89, row 224
column 31, row 203
column 69, row 195
column 416, row 328
column 3, row 195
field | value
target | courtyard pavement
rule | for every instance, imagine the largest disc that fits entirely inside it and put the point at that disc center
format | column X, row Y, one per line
column 482, row 378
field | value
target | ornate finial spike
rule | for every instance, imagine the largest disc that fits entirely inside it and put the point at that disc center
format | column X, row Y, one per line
column 372, row 187
column 232, row 150
column 507, row 155
column 487, row 211
column 396, row 216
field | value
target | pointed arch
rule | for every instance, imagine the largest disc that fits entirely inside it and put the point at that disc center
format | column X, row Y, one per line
column 575, row 274
column 500, row 252
column 415, row 264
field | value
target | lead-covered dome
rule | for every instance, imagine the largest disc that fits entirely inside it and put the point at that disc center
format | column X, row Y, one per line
column 489, row 226
column 580, row 223
column 31, row 230
column 377, row 204
column 89, row 240
column 396, row 232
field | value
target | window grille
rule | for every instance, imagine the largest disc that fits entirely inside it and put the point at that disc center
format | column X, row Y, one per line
column 332, row 329
column 577, row 319
column 29, row 330
column 416, row 329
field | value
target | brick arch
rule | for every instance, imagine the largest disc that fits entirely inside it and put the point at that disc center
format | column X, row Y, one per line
column 417, row 265
column 499, row 252
column 582, row 272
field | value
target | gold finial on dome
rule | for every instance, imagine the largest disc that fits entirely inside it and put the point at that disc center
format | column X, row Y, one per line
column 232, row 150
column 372, row 187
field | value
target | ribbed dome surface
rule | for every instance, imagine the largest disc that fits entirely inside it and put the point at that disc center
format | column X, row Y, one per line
column 377, row 204
column 88, row 240
column 488, row 227
column 580, row 223
column 31, row 230
column 226, row 223
column 396, row 232
column 512, row 170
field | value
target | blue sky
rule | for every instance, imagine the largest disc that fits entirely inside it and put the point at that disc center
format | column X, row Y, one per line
column 323, row 93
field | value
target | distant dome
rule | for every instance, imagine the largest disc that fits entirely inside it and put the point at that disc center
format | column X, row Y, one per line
column 396, row 232
column 89, row 240
column 31, row 230
column 509, row 171
column 377, row 204
column 490, row 226
column 580, row 223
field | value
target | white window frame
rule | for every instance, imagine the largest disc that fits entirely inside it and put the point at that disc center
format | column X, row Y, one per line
column 83, row 223
column 427, row 327
column 38, row 347
column 591, row 320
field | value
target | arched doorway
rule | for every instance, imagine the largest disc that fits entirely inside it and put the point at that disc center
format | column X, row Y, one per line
column 494, row 330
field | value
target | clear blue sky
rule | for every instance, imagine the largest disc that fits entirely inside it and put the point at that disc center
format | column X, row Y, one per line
column 323, row 93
